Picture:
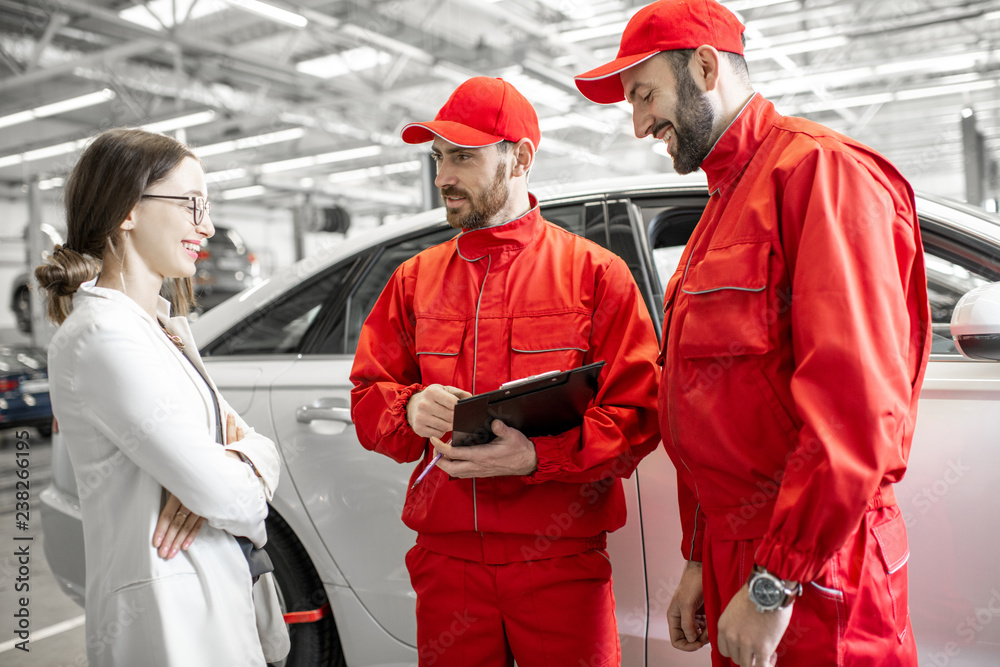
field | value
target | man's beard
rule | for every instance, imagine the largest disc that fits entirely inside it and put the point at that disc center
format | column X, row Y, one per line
column 483, row 207
column 695, row 120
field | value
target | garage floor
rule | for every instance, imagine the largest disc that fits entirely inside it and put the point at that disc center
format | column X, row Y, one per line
column 57, row 634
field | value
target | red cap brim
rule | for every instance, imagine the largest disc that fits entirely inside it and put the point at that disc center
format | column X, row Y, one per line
column 603, row 84
column 450, row 131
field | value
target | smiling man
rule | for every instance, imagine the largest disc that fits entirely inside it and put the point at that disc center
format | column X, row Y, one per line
column 510, row 560
column 796, row 334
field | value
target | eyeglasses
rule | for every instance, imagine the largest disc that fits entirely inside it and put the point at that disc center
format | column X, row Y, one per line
column 198, row 210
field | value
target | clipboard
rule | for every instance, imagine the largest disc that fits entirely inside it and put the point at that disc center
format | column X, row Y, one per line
column 545, row 404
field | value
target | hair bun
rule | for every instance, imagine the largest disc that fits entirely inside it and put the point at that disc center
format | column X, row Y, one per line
column 61, row 276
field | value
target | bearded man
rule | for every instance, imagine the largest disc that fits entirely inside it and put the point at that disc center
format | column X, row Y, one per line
column 510, row 560
column 796, row 334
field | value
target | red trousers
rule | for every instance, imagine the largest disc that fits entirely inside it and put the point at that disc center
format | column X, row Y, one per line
column 551, row 612
column 854, row 615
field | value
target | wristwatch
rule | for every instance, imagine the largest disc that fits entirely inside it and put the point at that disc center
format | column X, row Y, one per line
column 769, row 592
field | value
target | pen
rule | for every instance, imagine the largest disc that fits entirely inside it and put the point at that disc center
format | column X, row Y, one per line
column 430, row 466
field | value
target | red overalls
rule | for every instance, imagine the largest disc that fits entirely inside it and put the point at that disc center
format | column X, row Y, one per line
column 796, row 333
column 513, row 566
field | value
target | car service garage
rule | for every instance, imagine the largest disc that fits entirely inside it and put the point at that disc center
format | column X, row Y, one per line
column 457, row 332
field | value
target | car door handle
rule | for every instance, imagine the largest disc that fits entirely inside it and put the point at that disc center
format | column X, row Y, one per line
column 307, row 414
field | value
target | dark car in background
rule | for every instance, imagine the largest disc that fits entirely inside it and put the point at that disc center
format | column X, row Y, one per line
column 24, row 389
column 225, row 267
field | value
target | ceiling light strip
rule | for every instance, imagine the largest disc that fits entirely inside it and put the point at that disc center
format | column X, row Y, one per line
column 244, row 193
column 56, row 108
column 374, row 172
column 897, row 96
column 249, row 142
column 272, row 12
column 180, row 122
column 324, row 158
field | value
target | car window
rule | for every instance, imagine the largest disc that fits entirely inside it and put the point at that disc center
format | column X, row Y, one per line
column 609, row 224
column 280, row 327
column 621, row 239
column 669, row 224
column 947, row 282
column 367, row 291
column 570, row 217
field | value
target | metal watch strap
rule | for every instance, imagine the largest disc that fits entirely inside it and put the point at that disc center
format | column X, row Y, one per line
column 789, row 593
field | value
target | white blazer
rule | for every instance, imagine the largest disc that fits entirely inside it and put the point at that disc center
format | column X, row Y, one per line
column 138, row 421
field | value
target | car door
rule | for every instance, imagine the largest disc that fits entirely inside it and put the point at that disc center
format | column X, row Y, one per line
column 949, row 495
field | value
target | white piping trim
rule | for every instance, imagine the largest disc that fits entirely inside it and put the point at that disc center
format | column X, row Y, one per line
column 459, row 251
column 714, row 289
column 438, row 134
column 901, row 563
column 443, row 354
column 829, row 591
column 553, row 349
column 479, row 302
column 694, row 533
column 475, row 364
column 458, row 238
column 719, row 289
column 605, row 76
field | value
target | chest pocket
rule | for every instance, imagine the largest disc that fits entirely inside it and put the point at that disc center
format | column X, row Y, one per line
column 727, row 303
column 438, row 344
column 548, row 343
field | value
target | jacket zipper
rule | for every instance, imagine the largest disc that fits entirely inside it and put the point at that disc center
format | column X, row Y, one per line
column 673, row 432
column 475, row 362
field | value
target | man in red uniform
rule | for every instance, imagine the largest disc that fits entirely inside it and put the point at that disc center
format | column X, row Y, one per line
column 796, row 334
column 509, row 561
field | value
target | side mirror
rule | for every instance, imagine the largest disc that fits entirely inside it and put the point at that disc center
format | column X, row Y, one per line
column 975, row 323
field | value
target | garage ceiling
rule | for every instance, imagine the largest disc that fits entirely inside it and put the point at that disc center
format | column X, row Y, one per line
column 308, row 103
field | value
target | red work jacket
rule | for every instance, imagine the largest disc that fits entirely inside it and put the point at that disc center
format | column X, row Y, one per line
column 486, row 307
column 796, row 334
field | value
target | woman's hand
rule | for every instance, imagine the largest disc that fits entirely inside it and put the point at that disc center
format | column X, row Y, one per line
column 234, row 433
column 176, row 528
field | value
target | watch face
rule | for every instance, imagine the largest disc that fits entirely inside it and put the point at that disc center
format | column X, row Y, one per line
column 766, row 592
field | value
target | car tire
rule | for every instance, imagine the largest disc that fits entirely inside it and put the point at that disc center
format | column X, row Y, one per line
column 45, row 430
column 314, row 644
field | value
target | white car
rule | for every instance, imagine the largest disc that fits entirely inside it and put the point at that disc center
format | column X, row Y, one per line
column 282, row 352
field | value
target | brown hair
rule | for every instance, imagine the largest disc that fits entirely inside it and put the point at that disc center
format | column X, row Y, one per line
column 104, row 186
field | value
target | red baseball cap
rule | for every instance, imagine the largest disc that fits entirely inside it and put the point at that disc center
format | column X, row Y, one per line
column 481, row 112
column 666, row 25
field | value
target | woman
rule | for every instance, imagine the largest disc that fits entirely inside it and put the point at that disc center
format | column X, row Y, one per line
column 143, row 423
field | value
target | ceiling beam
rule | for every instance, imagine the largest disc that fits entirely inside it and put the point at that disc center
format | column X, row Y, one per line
column 105, row 57
column 260, row 66
column 56, row 22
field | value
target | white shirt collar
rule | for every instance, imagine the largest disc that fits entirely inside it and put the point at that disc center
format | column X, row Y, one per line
column 90, row 288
